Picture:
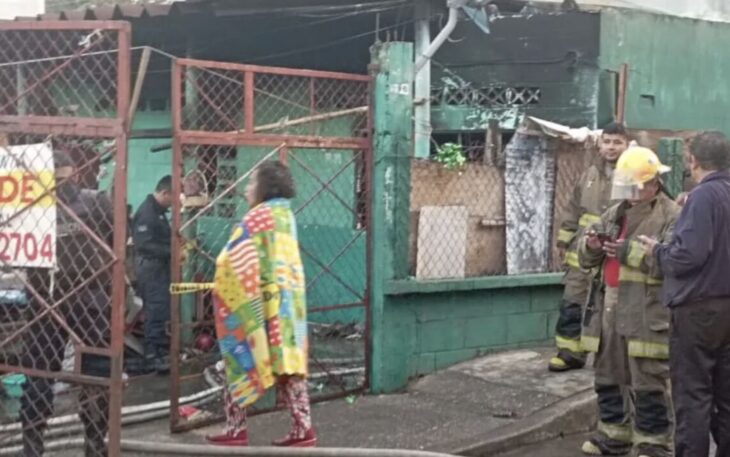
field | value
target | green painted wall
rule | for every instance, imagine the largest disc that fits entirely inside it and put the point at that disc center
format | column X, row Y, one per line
column 556, row 54
column 428, row 332
column 678, row 70
column 392, row 149
column 422, row 326
column 472, row 118
column 144, row 168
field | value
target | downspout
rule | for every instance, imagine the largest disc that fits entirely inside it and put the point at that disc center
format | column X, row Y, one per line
column 425, row 50
column 443, row 35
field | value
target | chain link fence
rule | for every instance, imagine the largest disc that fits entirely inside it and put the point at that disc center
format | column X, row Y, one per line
column 231, row 119
column 499, row 212
column 62, row 87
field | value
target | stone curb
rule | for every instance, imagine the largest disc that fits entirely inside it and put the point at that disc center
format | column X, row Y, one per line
column 576, row 414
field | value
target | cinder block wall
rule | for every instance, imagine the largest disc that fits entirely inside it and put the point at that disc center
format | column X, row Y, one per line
column 427, row 332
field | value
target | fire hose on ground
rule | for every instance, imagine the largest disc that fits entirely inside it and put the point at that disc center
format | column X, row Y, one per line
column 144, row 413
column 138, row 414
column 131, row 415
column 204, row 450
column 155, row 448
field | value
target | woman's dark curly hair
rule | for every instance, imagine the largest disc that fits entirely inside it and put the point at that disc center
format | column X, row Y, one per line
column 274, row 180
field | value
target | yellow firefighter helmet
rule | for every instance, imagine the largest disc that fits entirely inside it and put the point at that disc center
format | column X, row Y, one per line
column 634, row 168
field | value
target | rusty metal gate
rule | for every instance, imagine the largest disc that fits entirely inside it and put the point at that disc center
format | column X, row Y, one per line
column 227, row 118
column 64, row 96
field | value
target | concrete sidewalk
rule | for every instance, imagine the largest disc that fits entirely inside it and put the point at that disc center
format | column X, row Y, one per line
column 481, row 407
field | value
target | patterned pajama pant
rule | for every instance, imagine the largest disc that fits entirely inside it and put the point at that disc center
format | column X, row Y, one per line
column 291, row 392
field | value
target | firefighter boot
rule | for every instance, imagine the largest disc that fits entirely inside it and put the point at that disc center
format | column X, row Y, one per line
column 600, row 445
column 565, row 361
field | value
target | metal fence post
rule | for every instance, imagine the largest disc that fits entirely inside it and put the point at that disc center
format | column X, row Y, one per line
column 119, row 285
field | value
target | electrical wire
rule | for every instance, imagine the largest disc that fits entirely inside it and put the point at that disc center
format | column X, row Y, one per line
column 358, row 8
column 324, row 20
column 322, row 9
column 570, row 56
column 334, row 42
column 79, row 6
column 381, row 7
column 448, row 38
column 68, row 56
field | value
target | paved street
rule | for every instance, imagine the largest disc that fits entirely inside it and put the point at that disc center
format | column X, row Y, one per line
column 568, row 446
column 562, row 447
column 439, row 412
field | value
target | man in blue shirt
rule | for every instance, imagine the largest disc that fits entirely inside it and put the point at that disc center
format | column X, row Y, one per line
column 696, row 268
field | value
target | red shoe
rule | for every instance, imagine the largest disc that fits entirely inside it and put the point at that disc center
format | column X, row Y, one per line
column 309, row 440
column 226, row 439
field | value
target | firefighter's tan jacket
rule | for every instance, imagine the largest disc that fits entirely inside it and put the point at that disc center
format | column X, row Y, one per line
column 589, row 200
column 641, row 316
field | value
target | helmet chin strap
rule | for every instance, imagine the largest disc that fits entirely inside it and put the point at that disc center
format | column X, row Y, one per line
column 663, row 188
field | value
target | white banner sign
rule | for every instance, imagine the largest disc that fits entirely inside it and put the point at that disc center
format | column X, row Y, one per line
column 10, row 9
column 27, row 221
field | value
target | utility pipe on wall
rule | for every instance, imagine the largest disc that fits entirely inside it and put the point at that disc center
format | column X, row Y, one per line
column 443, row 35
column 422, row 82
column 425, row 50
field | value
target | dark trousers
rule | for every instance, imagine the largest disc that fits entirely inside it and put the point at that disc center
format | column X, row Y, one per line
column 621, row 380
column 568, row 330
column 153, row 285
column 88, row 315
column 700, row 372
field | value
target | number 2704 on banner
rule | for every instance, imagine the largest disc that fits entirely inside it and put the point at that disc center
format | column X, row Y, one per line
column 15, row 246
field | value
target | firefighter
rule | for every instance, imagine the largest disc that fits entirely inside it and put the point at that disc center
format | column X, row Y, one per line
column 590, row 199
column 80, row 289
column 625, row 322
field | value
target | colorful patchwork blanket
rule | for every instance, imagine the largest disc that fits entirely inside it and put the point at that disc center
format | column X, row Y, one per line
column 260, row 302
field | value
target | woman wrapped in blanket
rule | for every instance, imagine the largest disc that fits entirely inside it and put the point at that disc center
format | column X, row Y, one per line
column 261, row 315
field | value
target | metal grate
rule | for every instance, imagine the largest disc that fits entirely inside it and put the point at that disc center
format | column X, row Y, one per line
column 485, row 96
column 231, row 118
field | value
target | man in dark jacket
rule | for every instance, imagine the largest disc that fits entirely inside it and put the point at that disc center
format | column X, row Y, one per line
column 79, row 290
column 695, row 265
column 151, row 233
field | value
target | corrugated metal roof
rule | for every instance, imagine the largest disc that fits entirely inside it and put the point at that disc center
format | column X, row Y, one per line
column 121, row 12
column 211, row 7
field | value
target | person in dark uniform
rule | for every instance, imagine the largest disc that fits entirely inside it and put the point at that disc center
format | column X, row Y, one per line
column 80, row 290
column 152, row 235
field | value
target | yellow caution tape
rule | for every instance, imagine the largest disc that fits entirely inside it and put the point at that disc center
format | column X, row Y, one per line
column 180, row 288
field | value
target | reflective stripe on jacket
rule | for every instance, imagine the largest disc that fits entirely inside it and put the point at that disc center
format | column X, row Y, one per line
column 641, row 316
column 590, row 199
